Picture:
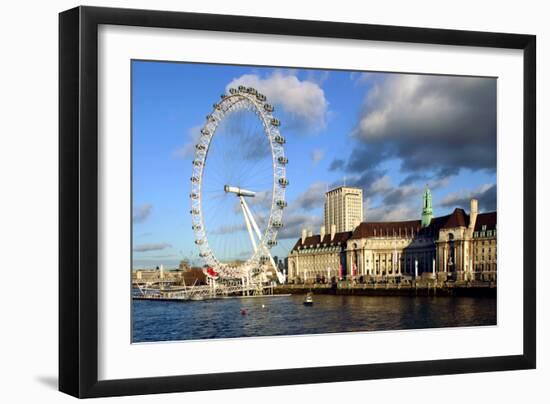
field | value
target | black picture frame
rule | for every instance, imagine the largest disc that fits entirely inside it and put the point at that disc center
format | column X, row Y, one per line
column 78, row 201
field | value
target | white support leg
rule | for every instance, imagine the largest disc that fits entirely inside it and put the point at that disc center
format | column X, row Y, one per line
column 280, row 276
column 251, row 218
column 247, row 220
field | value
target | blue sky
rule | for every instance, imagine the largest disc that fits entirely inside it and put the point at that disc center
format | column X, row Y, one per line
column 390, row 134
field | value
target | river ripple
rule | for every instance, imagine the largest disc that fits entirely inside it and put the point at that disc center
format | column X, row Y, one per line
column 286, row 315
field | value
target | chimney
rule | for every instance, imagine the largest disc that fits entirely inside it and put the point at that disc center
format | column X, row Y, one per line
column 309, row 233
column 304, row 235
column 332, row 231
column 322, row 233
column 473, row 213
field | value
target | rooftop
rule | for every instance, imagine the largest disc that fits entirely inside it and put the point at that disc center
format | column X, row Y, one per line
column 344, row 187
column 316, row 239
column 407, row 228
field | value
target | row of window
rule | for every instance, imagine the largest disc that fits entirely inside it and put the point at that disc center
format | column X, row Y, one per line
column 487, row 233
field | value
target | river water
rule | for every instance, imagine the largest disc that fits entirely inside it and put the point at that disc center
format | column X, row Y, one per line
column 286, row 315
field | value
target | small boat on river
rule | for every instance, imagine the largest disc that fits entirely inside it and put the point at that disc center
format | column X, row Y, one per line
column 308, row 301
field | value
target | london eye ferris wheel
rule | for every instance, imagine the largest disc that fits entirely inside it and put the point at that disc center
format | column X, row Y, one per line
column 238, row 186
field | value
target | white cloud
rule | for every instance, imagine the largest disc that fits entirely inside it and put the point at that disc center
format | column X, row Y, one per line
column 260, row 203
column 317, row 155
column 141, row 212
column 187, row 151
column 303, row 101
column 389, row 213
column 381, row 185
column 294, row 223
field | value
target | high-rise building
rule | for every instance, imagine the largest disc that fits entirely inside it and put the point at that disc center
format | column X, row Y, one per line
column 343, row 208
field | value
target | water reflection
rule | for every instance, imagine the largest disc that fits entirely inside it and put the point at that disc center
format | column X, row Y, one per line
column 169, row 321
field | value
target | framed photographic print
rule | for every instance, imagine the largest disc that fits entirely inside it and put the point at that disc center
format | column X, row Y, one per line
column 251, row 201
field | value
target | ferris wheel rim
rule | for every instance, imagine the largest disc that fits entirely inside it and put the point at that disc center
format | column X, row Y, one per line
column 249, row 99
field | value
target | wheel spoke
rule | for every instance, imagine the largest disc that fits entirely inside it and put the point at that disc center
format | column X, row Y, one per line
column 240, row 146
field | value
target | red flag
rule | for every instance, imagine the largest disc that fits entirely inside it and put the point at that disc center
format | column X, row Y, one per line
column 211, row 273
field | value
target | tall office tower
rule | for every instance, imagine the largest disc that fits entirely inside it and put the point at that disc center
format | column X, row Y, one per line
column 343, row 208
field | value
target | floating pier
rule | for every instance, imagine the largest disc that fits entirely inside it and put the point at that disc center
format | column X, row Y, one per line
column 214, row 290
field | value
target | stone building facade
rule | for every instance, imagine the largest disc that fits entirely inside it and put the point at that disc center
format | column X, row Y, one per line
column 456, row 247
column 318, row 258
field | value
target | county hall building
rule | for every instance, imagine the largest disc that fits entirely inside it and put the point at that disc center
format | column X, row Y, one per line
column 460, row 246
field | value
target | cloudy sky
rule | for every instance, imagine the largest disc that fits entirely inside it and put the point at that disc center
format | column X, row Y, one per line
column 390, row 134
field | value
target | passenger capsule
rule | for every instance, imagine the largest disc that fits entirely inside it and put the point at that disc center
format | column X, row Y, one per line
column 216, row 106
column 197, row 163
column 279, row 139
column 251, row 90
column 199, row 242
column 194, row 211
column 194, row 196
column 282, row 204
column 269, row 107
column 194, row 179
column 200, row 147
column 242, row 89
column 282, row 160
column 232, row 91
column 205, row 132
column 203, row 254
column 272, row 243
column 196, row 227
column 275, row 122
column 283, row 182
column 260, row 97
column 277, row 224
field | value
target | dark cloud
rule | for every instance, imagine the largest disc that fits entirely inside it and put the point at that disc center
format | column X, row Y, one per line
column 151, row 247
column 372, row 181
column 400, row 194
column 434, row 124
column 312, row 198
column 337, row 164
column 485, row 194
column 402, row 202
column 412, row 178
column 141, row 213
